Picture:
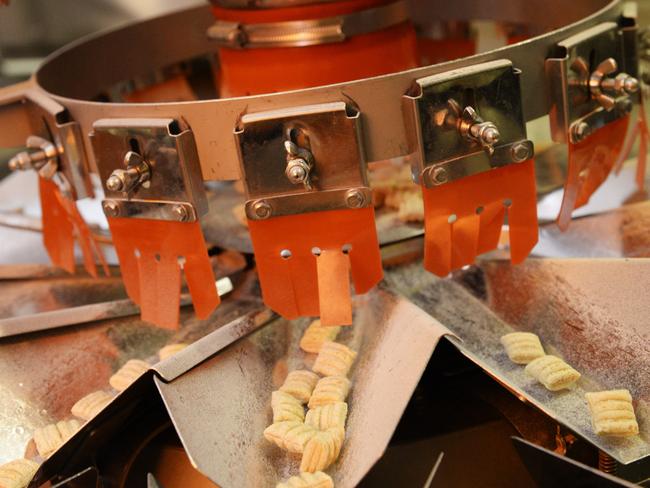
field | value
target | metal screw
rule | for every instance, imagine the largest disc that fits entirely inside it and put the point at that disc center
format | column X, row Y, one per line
column 111, row 208
column 355, row 198
column 490, row 135
column 439, row 176
column 520, row 152
column 262, row 209
column 181, row 213
column 115, row 183
column 581, row 131
column 630, row 85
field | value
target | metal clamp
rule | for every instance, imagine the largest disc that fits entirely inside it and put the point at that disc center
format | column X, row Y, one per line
column 449, row 137
column 149, row 169
column 593, row 82
column 282, row 149
column 308, row 32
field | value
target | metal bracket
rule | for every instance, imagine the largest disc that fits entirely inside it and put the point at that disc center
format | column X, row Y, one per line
column 149, row 169
column 594, row 80
column 464, row 122
column 55, row 148
column 326, row 137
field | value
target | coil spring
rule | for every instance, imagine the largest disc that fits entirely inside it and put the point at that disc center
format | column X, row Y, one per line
column 606, row 463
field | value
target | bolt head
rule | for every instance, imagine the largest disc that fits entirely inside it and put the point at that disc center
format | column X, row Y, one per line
column 115, row 183
column 625, row 105
column 355, row 199
column 296, row 173
column 439, row 176
column 180, row 213
column 111, row 208
column 631, row 85
column 520, row 152
column 491, row 135
column 262, row 209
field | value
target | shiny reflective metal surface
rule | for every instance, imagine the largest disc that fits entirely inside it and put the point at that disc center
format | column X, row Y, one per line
column 233, row 389
column 599, row 330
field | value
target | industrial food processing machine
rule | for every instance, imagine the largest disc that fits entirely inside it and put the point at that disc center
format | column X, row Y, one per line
column 428, row 176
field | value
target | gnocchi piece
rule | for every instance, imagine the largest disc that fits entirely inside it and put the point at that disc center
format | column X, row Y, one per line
column 17, row 473
column 286, row 407
column 330, row 389
column 308, row 480
column 334, row 359
column 330, row 415
column 552, row 372
column 522, row 347
column 47, row 439
column 300, row 384
column 612, row 413
column 170, row 350
column 411, row 208
column 91, row 404
column 322, row 450
column 316, row 335
column 127, row 374
column 289, row 435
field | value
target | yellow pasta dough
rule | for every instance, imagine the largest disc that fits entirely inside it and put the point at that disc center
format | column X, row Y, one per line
column 170, row 350
column 17, row 473
column 316, row 335
column 522, row 347
column 286, row 407
column 330, row 389
column 612, row 413
column 91, row 404
column 322, row 450
column 289, row 435
column 334, row 359
column 49, row 438
column 552, row 372
column 127, row 374
column 330, row 415
column 308, row 480
column 300, row 384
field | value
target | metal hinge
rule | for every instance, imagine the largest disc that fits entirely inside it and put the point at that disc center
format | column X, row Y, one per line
column 464, row 122
column 302, row 159
column 149, row 169
column 593, row 81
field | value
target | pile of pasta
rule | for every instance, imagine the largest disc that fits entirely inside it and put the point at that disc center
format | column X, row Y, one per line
column 19, row 472
column 318, row 434
column 612, row 412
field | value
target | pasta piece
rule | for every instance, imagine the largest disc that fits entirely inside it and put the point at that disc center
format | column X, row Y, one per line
column 330, row 415
column 334, row 359
column 127, row 374
column 286, row 407
column 411, row 208
column 612, row 413
column 308, row 480
column 68, row 428
column 322, row 450
column 47, row 439
column 91, row 404
column 17, row 473
column 522, row 347
column 315, row 335
column 170, row 350
column 300, row 384
column 330, row 389
column 552, row 372
column 289, row 435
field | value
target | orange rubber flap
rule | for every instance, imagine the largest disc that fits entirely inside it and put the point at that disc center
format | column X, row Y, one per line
column 333, row 269
column 464, row 218
column 290, row 284
column 590, row 163
column 640, row 131
column 150, row 254
column 62, row 222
